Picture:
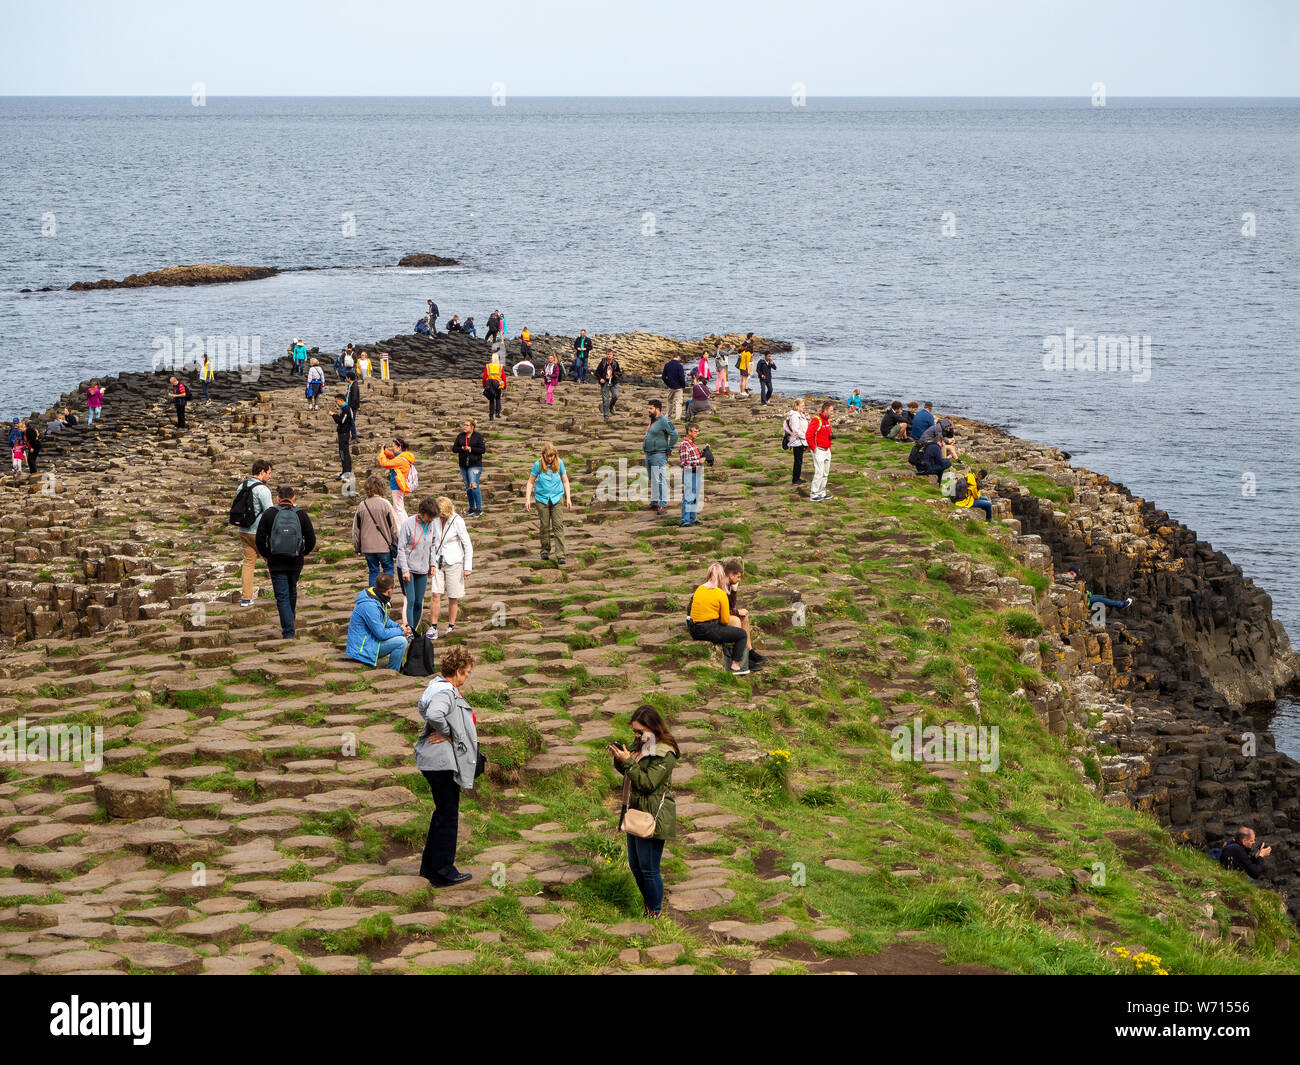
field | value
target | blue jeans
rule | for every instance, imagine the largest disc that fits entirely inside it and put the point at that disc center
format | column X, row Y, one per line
column 1117, row 604
column 92, row 413
column 692, row 483
column 985, row 504
column 473, row 493
column 413, row 590
column 643, row 857
column 657, row 467
column 207, row 388
column 376, row 561
column 286, row 600
column 394, row 649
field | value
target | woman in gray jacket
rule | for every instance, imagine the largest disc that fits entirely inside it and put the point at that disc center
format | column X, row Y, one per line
column 447, row 754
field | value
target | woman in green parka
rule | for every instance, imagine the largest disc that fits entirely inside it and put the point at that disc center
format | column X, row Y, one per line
column 648, row 768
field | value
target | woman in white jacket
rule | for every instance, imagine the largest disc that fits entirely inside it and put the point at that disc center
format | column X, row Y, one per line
column 795, row 428
column 447, row 754
column 452, row 560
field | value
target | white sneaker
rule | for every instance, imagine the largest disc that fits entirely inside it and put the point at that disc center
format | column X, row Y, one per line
column 432, row 634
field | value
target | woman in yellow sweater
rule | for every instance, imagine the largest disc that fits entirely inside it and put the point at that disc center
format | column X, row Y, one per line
column 710, row 619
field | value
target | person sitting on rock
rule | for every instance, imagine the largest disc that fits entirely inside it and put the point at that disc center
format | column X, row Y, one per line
column 372, row 633
column 933, row 460
column 734, row 568
column 922, row 420
column 454, row 325
column 68, row 418
column 1094, row 599
column 469, row 328
column 972, row 496
column 709, row 619
column 700, row 402
column 1240, row 854
column 893, row 426
column 855, row 402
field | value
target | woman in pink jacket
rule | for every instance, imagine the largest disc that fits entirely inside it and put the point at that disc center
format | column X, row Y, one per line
column 552, row 376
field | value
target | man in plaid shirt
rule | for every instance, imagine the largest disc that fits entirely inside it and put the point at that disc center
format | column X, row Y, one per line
column 692, row 472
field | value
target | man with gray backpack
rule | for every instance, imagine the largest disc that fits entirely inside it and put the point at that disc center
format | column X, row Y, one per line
column 284, row 538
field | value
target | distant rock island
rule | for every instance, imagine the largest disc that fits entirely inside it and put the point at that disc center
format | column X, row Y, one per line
column 199, row 274
column 425, row 259
column 220, row 274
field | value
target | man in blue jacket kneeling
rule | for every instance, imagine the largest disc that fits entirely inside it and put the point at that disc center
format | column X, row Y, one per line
column 372, row 634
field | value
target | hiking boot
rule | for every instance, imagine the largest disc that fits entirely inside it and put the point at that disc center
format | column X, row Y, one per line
column 560, row 561
column 756, row 658
column 546, row 556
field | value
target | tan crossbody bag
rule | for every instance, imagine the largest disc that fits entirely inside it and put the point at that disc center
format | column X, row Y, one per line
column 638, row 822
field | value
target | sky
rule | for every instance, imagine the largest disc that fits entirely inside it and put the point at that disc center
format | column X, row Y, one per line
column 666, row 48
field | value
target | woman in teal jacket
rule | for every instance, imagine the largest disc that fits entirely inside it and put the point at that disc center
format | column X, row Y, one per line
column 648, row 769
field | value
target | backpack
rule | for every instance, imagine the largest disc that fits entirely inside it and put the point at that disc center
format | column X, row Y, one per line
column 412, row 479
column 286, row 533
column 915, row 456
column 1216, row 854
column 420, row 660
column 960, row 488
column 244, row 509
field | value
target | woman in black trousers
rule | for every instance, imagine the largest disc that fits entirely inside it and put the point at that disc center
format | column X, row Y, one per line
column 447, row 754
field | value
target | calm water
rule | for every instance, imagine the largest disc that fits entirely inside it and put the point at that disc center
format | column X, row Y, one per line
column 821, row 224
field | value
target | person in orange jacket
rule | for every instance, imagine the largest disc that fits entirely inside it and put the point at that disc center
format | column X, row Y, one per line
column 818, row 438
column 402, row 479
column 494, row 383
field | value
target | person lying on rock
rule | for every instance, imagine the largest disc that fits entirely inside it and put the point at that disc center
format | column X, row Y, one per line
column 1117, row 604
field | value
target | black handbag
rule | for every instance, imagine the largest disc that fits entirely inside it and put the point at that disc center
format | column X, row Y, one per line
column 480, row 766
column 420, row 660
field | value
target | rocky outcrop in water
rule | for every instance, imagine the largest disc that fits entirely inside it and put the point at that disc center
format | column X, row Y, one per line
column 425, row 259
column 201, row 274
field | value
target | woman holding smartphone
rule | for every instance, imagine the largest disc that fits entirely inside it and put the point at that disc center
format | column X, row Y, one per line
column 647, row 770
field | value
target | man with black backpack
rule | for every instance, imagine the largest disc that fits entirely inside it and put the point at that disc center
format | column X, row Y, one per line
column 252, row 497
column 284, row 537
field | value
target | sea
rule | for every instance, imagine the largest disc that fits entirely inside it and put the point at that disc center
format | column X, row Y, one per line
column 978, row 253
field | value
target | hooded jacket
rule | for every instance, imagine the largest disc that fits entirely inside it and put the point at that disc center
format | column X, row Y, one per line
column 651, row 776
column 368, row 627
column 399, row 466
column 448, row 714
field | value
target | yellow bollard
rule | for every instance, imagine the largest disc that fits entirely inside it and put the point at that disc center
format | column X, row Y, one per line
column 383, row 367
